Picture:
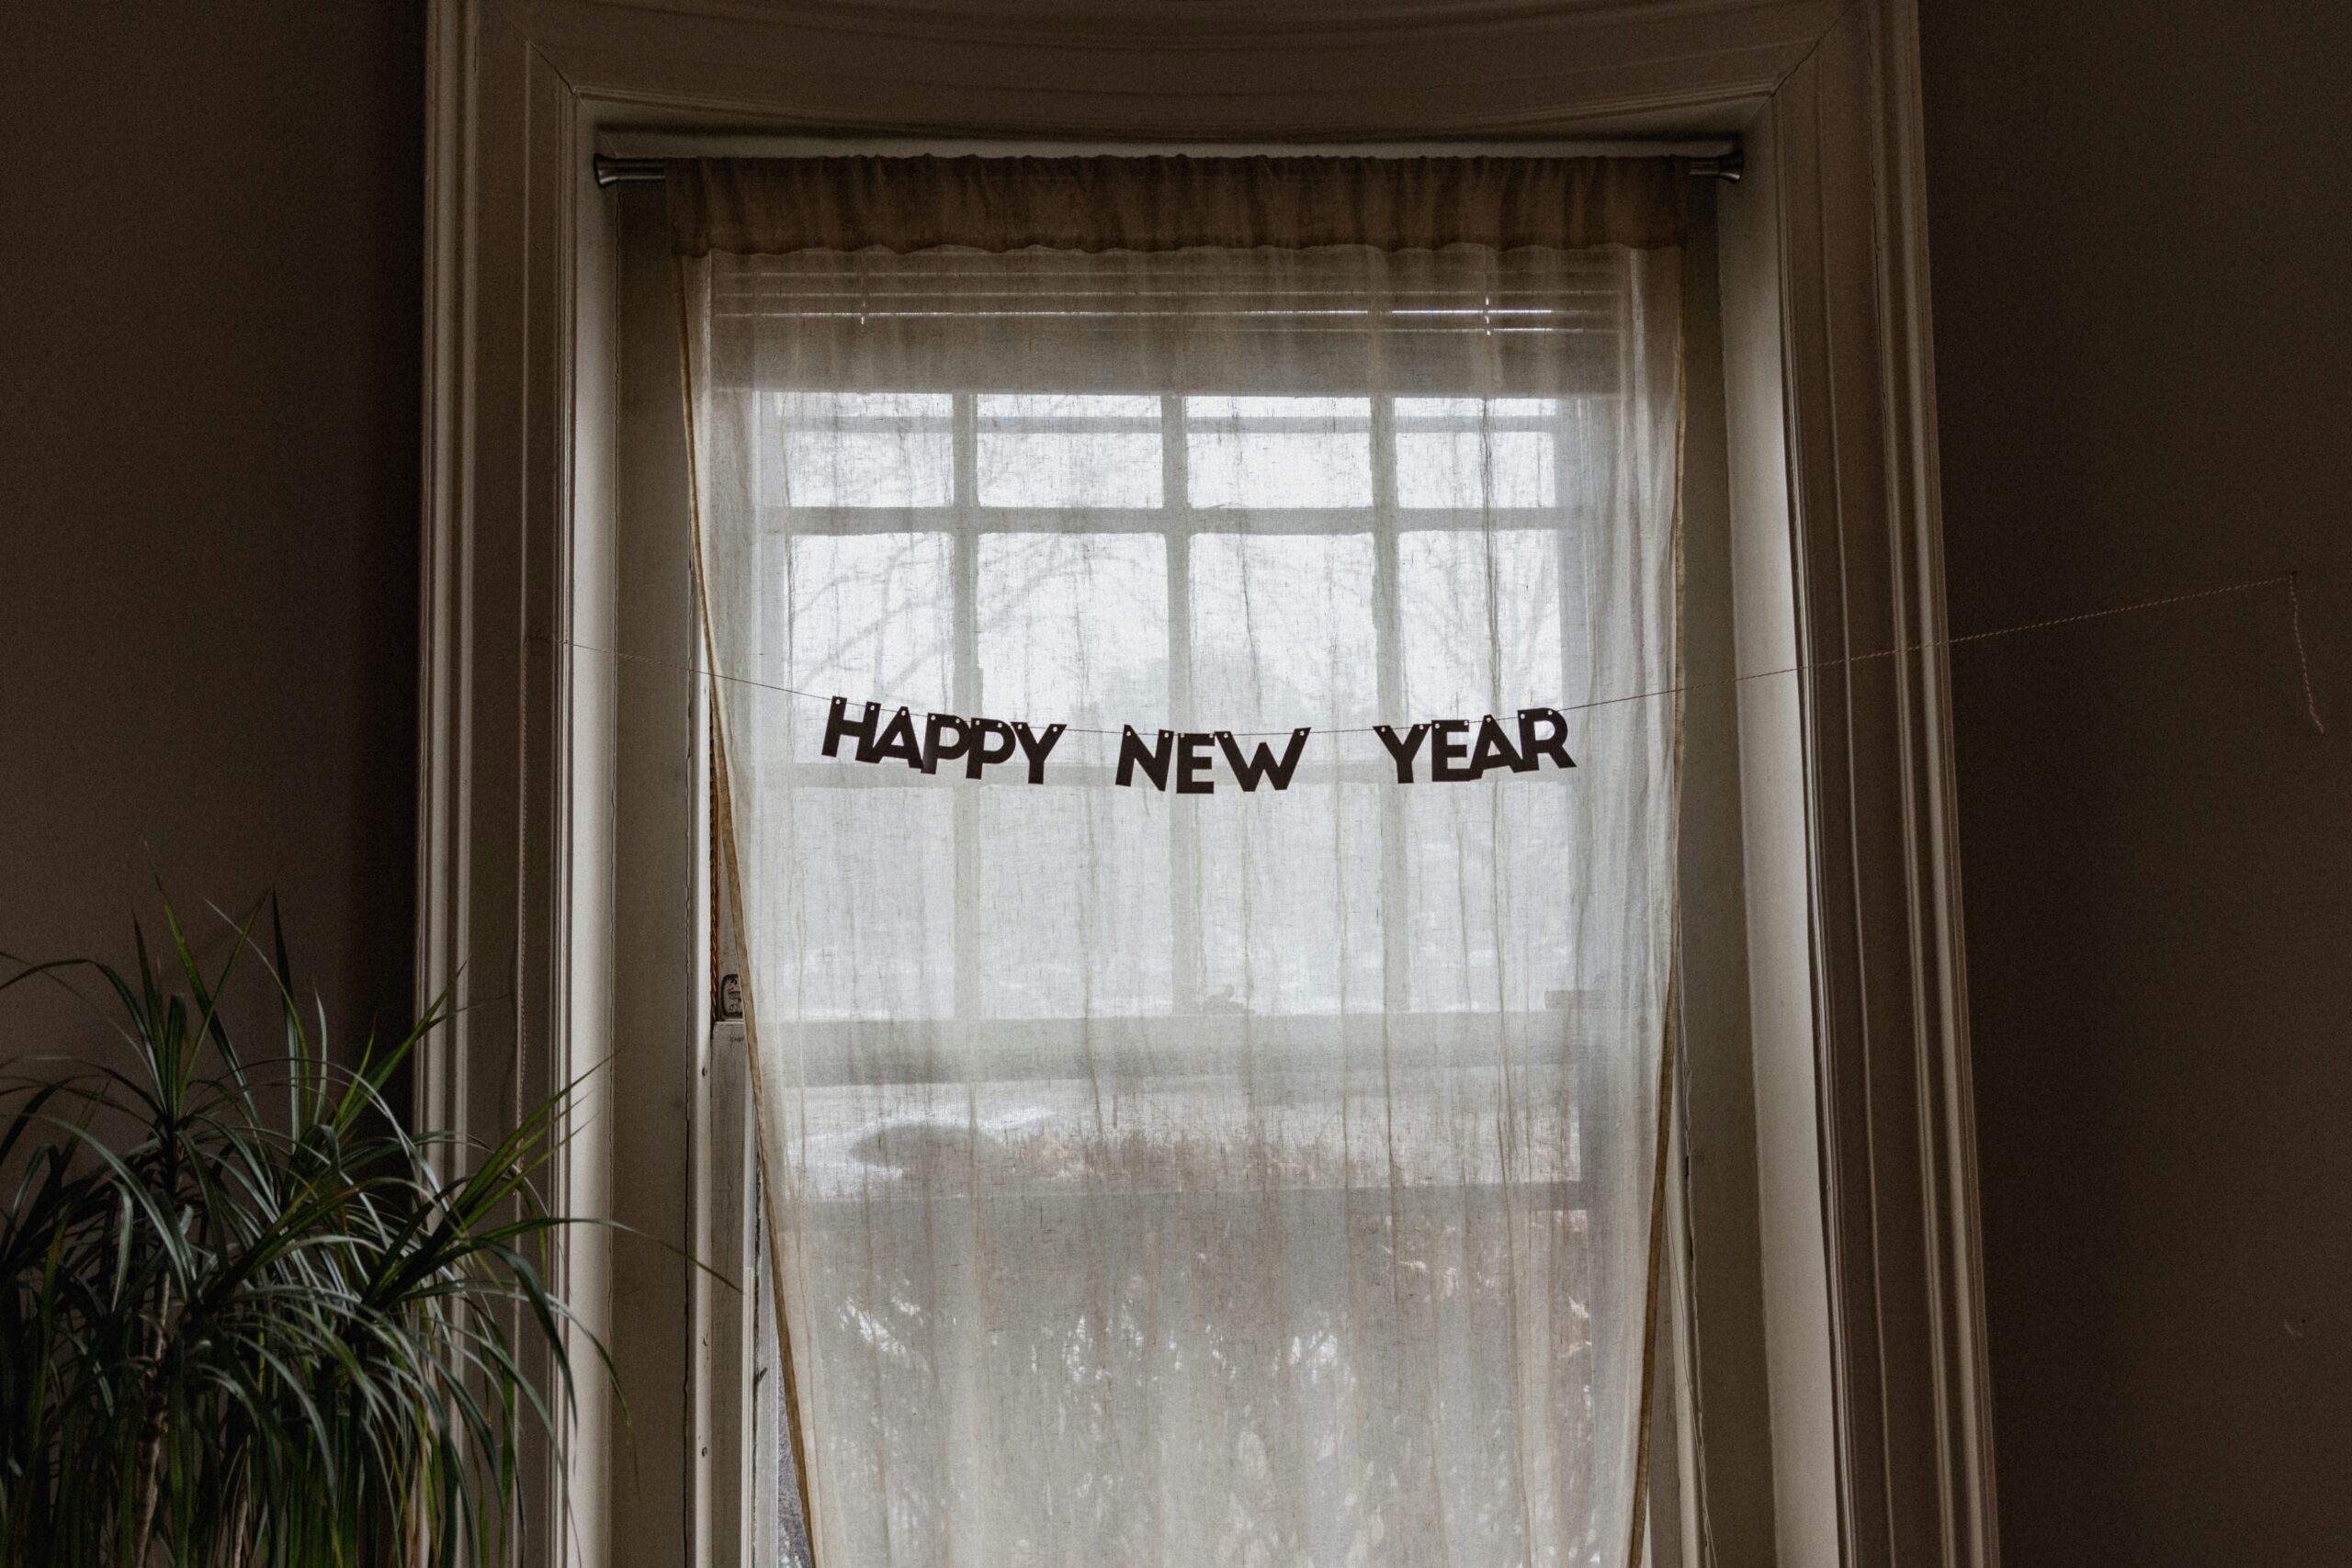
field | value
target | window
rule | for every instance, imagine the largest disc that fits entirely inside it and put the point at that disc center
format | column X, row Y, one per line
column 562, row 783
column 1170, row 1176
column 1124, row 557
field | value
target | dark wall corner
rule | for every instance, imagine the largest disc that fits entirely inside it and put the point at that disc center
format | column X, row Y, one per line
column 209, row 479
column 2138, row 221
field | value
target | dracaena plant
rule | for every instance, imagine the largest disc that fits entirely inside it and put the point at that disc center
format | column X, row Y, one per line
column 246, row 1320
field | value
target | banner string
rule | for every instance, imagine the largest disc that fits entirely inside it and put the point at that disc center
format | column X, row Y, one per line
column 2294, row 603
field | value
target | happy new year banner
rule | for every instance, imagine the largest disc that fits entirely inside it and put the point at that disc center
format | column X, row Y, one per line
column 1188, row 760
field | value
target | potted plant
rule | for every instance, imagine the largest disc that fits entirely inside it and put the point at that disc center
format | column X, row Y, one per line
column 247, row 1319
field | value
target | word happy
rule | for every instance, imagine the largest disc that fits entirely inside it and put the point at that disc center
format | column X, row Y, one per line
column 1188, row 758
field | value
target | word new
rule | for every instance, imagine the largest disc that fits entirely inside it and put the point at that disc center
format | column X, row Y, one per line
column 1189, row 752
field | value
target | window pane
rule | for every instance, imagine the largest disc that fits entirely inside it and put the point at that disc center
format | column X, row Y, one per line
column 1472, row 452
column 1481, row 611
column 865, row 448
column 1489, row 929
column 1069, row 451
column 872, row 616
column 1073, row 628
column 1279, row 452
column 1290, row 901
column 1281, row 629
column 1473, row 468
column 1073, row 902
column 870, row 903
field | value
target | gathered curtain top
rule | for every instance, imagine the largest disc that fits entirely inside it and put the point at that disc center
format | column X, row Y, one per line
column 774, row 206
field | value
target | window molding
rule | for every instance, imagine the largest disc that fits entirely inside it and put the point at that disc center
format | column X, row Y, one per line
column 1832, row 428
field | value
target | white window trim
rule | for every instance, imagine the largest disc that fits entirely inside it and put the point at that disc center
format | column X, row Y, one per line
column 1874, row 1335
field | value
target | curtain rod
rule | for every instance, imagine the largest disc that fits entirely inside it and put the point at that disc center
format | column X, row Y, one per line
column 610, row 171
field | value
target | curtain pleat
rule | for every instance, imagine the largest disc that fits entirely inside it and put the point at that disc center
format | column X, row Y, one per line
column 1192, row 1179
column 775, row 206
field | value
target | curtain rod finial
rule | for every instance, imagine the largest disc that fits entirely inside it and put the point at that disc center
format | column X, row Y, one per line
column 611, row 171
column 1725, row 167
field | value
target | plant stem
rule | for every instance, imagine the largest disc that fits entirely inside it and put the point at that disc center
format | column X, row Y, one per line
column 150, row 1437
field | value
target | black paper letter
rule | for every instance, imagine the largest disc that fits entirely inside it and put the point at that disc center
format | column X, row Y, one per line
column 982, row 755
column 937, row 747
column 897, row 740
column 1154, row 762
column 1447, row 752
column 1493, row 751
column 837, row 724
column 1261, row 762
column 1193, row 759
column 1554, row 745
column 1037, row 745
column 1402, row 750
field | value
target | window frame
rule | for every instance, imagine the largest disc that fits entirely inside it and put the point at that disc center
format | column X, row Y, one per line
column 1872, row 1302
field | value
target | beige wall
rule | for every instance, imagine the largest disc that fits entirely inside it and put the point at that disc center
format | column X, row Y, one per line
column 2140, row 221
column 208, row 370
column 2142, row 243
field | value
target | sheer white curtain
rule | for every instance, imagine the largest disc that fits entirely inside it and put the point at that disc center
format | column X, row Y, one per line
column 1240, row 1178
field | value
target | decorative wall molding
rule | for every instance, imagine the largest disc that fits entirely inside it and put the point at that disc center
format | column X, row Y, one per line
column 516, row 406
column 1889, row 1001
column 1231, row 30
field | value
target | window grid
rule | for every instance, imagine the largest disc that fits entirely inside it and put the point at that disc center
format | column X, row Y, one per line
column 1178, row 522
